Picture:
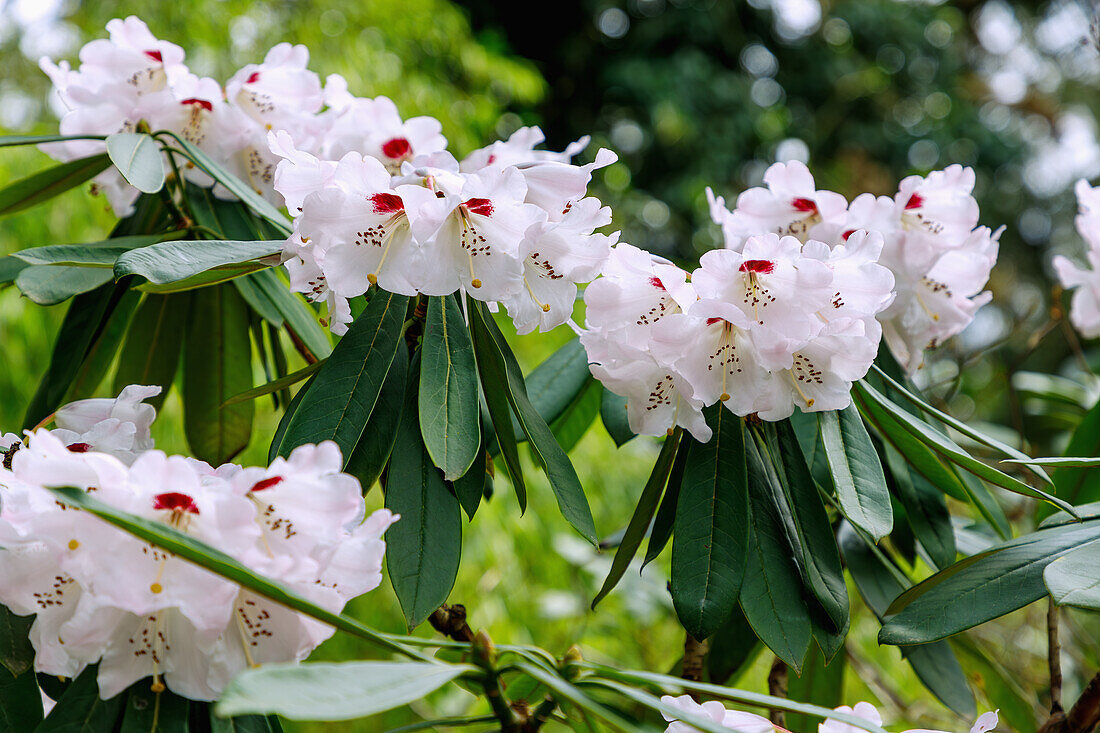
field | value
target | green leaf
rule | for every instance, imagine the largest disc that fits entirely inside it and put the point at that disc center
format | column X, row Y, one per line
column 711, row 528
column 101, row 354
column 244, row 723
column 275, row 385
column 643, row 515
column 424, row 547
column 820, row 683
column 298, row 316
column 235, row 185
column 92, row 254
column 288, row 415
column 1016, row 706
column 943, row 445
column 151, row 352
column 80, row 710
column 44, row 185
column 1059, row 462
column 138, row 158
column 556, row 383
column 771, row 594
column 572, row 502
column 50, row 285
column 217, row 364
column 10, row 267
column 613, row 415
column 661, row 531
column 1080, row 487
column 16, row 652
column 1074, row 578
column 146, row 711
column 339, row 400
column 379, row 436
column 14, row 140
column 257, row 299
column 733, row 647
column 857, row 474
column 470, row 487
column 982, row 587
column 925, row 510
column 334, row 691
column 172, row 262
column 450, row 413
column 20, row 701
column 878, row 583
column 573, row 424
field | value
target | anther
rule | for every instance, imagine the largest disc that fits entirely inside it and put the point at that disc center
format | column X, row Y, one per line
column 725, row 396
column 372, row 279
column 157, row 687
column 156, row 587
column 476, row 283
column 73, row 544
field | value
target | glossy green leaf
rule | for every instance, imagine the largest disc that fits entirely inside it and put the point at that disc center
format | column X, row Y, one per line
column 343, row 393
column 138, row 158
column 1059, row 462
column 556, row 383
column 1080, row 487
column 613, row 416
column 982, row 587
column 80, row 710
column 857, row 474
column 171, row 262
column 91, row 254
column 1074, row 578
column 375, row 445
column 733, row 647
column 151, row 352
column 573, row 424
column 450, row 412
column 423, row 549
column 925, row 510
column 53, row 284
column 470, row 487
column 16, row 652
column 572, row 502
column 334, row 691
column 10, row 267
column 14, row 140
column 661, row 531
column 257, row 299
column 298, row 316
column 20, row 701
column 101, row 354
column 217, row 364
column 275, row 385
column 642, row 517
column 44, row 185
column 711, row 528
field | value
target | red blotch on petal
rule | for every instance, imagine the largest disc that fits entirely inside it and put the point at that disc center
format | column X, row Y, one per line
column 398, row 147
column 176, row 502
column 208, row 106
column 807, row 205
column 656, row 282
column 915, row 201
column 847, row 234
column 267, row 483
column 761, row 267
column 155, row 55
column 387, row 203
column 79, row 447
column 253, row 78
column 479, row 206
column 712, row 321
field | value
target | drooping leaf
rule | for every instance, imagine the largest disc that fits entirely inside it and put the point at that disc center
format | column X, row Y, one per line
column 379, row 436
column 925, row 510
column 424, row 547
column 711, row 528
column 91, row 254
column 343, row 393
column 856, row 471
column 53, row 284
column 470, row 487
column 16, row 652
column 449, row 404
column 733, row 647
column 983, row 586
column 172, row 262
column 217, row 364
column 1074, row 578
column 276, row 385
column 643, row 515
column 257, row 299
column 556, row 383
column 80, row 710
column 101, row 353
column 298, row 317
column 14, row 140
column 613, row 415
column 145, row 711
column 44, row 185
column 663, row 522
column 820, row 683
column 138, row 158
column 20, row 701
column 151, row 352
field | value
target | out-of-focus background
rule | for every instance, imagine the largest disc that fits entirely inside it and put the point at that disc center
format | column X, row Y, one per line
column 690, row 93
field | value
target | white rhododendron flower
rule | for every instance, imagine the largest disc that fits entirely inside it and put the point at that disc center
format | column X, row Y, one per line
column 100, row 595
column 1084, row 311
column 735, row 720
column 865, row 710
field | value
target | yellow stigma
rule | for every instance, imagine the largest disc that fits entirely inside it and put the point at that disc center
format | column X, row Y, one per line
column 669, row 432
column 545, row 307
column 476, row 283
column 372, row 279
column 157, row 686
column 725, row 396
column 156, row 587
column 73, row 544
column 268, row 126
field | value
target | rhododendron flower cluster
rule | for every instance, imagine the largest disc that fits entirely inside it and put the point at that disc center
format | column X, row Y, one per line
column 1084, row 310
column 132, row 78
column 508, row 224
column 103, row 596
column 940, row 257
column 764, row 329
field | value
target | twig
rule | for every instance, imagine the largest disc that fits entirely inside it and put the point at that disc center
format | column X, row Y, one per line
column 695, row 653
column 1054, row 658
column 1083, row 717
column 777, row 686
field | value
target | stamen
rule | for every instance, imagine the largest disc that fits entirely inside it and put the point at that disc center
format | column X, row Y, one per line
column 808, row 400
column 244, row 640
column 933, row 316
column 73, row 544
column 545, row 306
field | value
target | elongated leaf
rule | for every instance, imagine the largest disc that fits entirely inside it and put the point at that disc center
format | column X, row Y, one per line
column 732, row 648
column 1074, row 578
column 288, row 415
column 663, row 522
column 573, row 424
column 470, row 487
column 91, row 254
column 379, row 436
column 16, row 652
column 218, row 275
column 151, row 352
column 494, row 379
column 613, row 415
column 171, row 262
column 671, row 712
column 44, row 185
column 20, row 701
column 14, row 140
column 925, row 510
column 10, row 267
column 80, row 710
column 276, row 385
column 643, row 515
column 344, row 691
column 711, row 528
column 943, row 445
column 423, row 549
column 298, row 316
column 145, row 711
column 216, row 561
column 235, row 185
column 856, row 471
column 257, row 299
column 982, row 587
column 564, row 690
column 557, row 382
column 1080, row 487
column 217, row 364
column 450, row 412
column 562, row 476
column 935, row 664
column 820, row 683
column 1059, row 462
column 771, row 594
column 343, row 393
column 101, row 353
column 50, row 284
column 138, row 158
column 1016, row 706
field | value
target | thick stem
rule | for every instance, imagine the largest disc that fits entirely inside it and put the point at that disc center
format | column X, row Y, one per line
column 695, row 654
column 1054, row 658
column 777, row 686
